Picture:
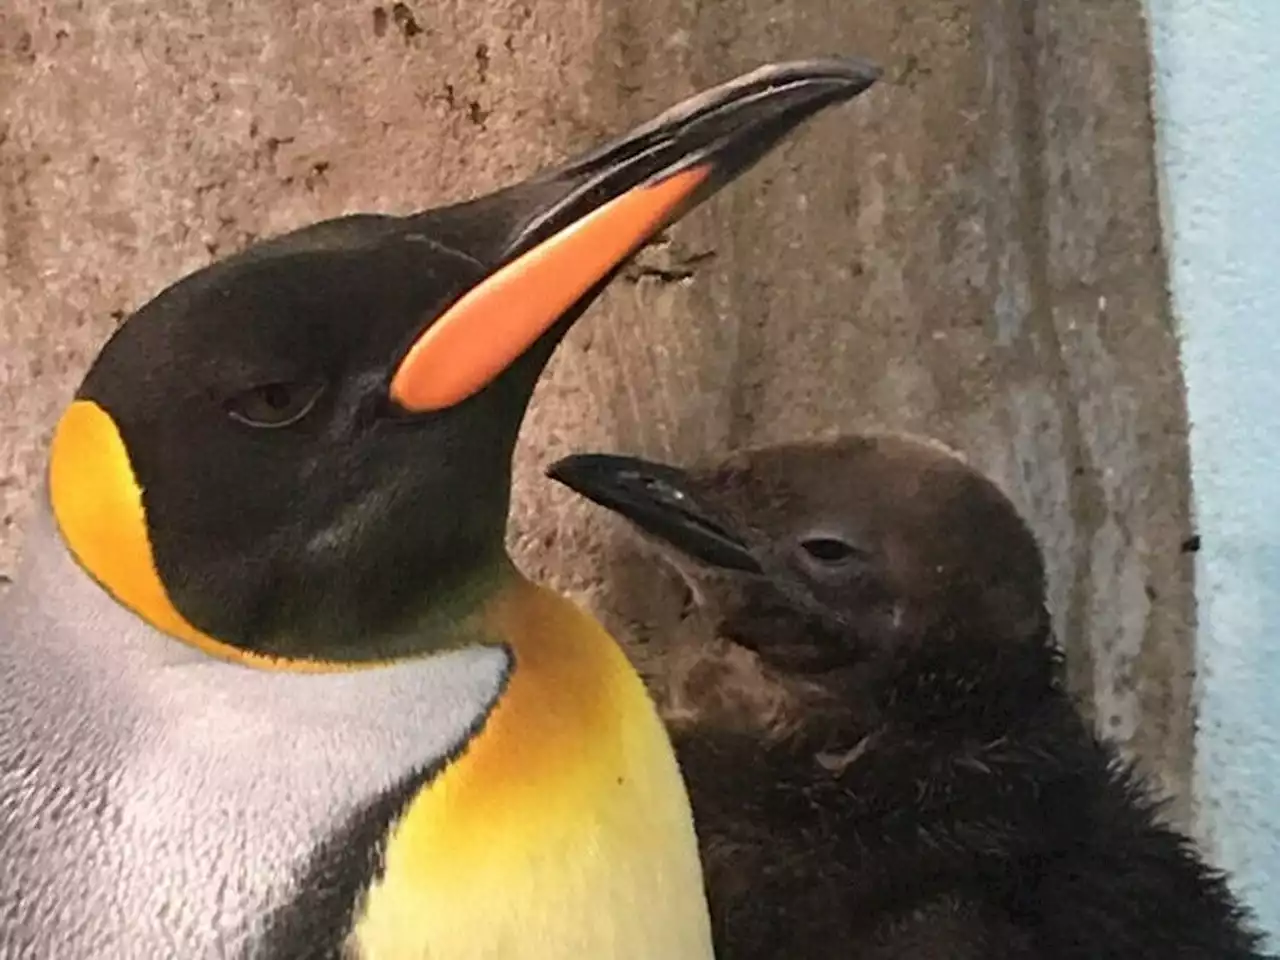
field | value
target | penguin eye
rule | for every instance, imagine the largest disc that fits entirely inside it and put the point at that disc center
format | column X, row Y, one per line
column 830, row 551
column 273, row 405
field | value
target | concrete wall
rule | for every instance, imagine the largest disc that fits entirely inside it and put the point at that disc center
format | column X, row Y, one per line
column 1219, row 122
column 971, row 251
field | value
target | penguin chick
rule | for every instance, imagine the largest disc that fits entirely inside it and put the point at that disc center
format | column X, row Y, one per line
column 881, row 753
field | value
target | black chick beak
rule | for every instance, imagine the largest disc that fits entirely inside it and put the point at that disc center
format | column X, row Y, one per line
column 570, row 228
column 659, row 500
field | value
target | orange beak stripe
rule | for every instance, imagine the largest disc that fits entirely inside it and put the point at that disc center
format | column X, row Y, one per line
column 497, row 321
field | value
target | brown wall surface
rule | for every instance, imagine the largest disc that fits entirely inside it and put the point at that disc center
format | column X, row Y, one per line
column 970, row 251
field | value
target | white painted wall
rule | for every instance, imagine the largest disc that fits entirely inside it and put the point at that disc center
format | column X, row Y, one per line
column 1217, row 102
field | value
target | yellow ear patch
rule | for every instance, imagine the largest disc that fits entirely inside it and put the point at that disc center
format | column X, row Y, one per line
column 98, row 506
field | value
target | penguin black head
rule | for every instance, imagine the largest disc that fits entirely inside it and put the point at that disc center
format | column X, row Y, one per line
column 820, row 556
column 304, row 446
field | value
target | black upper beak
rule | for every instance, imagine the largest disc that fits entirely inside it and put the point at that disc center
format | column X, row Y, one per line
column 725, row 129
column 657, row 498
column 549, row 244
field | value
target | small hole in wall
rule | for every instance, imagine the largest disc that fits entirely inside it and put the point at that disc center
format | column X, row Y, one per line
column 687, row 602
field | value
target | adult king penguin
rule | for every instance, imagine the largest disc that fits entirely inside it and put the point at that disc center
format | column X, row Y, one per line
column 269, row 684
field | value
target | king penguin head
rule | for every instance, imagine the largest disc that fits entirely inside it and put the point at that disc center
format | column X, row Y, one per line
column 297, row 454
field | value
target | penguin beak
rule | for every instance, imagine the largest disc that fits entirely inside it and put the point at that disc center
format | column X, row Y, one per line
column 582, row 221
column 659, row 500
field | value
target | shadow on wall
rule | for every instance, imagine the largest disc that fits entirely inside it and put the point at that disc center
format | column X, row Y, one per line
column 1219, row 134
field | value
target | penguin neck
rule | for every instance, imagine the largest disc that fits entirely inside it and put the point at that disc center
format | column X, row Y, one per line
column 454, row 617
column 568, row 798
column 572, row 700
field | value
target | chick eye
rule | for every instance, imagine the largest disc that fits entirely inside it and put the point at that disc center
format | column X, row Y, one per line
column 830, row 551
column 273, row 405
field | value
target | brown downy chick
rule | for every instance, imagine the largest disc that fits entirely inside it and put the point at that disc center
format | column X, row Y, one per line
column 881, row 753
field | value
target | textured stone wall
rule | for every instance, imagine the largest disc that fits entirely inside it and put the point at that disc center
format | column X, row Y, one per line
column 969, row 251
